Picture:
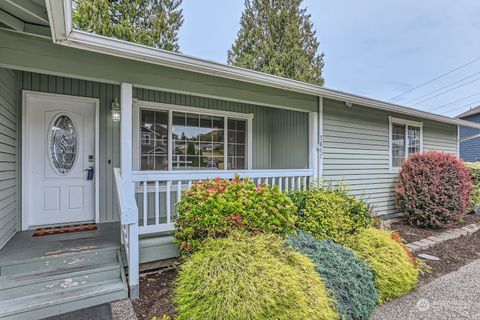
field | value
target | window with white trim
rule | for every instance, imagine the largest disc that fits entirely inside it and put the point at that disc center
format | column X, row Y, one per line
column 188, row 140
column 405, row 140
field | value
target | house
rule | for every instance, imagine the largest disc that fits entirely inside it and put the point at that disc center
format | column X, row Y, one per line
column 94, row 129
column 469, row 137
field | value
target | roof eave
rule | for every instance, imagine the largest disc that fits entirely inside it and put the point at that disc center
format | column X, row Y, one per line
column 62, row 32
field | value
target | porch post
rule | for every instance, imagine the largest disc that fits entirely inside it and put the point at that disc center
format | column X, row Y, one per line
column 126, row 134
column 313, row 143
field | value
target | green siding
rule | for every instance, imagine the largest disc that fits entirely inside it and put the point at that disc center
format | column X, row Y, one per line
column 356, row 150
column 109, row 132
column 280, row 137
column 25, row 52
column 9, row 209
column 269, row 126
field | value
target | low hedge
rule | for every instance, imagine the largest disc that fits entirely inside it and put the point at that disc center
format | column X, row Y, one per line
column 395, row 272
column 213, row 208
column 331, row 213
column 250, row 277
column 349, row 280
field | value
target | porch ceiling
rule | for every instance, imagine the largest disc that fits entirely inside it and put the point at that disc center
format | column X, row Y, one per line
column 28, row 16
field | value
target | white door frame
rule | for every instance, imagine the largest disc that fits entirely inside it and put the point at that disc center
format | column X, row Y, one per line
column 25, row 148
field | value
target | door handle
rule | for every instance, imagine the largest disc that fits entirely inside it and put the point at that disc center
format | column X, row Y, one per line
column 90, row 170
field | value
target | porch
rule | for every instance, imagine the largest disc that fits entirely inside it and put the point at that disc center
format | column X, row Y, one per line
column 142, row 165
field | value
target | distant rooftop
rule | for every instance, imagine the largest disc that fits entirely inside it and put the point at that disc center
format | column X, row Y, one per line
column 470, row 112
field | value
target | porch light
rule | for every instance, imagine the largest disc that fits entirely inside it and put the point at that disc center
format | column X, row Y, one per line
column 115, row 111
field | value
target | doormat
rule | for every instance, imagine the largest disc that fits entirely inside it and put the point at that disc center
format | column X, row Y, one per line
column 64, row 229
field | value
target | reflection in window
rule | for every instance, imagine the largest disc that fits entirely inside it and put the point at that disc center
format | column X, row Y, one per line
column 406, row 140
column 198, row 141
column 154, row 140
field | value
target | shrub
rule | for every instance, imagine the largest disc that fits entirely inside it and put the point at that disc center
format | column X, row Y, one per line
column 474, row 170
column 395, row 275
column 250, row 277
column 349, row 280
column 213, row 208
column 434, row 188
column 333, row 213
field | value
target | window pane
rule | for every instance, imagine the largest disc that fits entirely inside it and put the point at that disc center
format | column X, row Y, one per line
column 398, row 145
column 237, row 139
column 413, row 140
column 154, row 140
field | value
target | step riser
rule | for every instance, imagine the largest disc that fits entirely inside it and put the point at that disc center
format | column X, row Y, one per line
column 60, row 263
column 62, row 282
column 42, row 313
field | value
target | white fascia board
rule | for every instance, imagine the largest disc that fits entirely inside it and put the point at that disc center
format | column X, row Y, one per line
column 124, row 49
column 60, row 17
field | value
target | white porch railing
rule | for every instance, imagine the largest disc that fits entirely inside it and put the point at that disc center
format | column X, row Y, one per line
column 157, row 193
column 147, row 201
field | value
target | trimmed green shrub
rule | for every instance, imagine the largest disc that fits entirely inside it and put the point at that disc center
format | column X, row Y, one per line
column 434, row 188
column 474, row 170
column 349, row 280
column 213, row 208
column 332, row 213
column 250, row 277
column 395, row 274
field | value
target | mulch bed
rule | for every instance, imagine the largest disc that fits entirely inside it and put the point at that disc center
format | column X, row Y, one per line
column 156, row 289
column 156, row 295
column 411, row 234
column 453, row 254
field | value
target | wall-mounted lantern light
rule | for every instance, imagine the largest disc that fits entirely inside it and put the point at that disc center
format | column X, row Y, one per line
column 115, row 111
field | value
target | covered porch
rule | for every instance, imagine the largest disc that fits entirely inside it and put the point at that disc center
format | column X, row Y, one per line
column 142, row 168
column 275, row 152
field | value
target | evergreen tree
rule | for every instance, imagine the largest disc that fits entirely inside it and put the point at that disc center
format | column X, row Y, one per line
column 150, row 22
column 277, row 37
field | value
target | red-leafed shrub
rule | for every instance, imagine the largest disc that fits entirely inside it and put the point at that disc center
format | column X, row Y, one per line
column 434, row 188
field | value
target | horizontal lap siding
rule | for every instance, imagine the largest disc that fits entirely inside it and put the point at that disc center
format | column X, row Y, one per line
column 470, row 150
column 8, row 155
column 356, row 151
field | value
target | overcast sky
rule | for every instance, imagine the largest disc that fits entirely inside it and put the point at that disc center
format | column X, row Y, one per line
column 375, row 48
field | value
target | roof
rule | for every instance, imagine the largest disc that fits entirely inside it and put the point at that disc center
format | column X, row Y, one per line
column 62, row 32
column 470, row 112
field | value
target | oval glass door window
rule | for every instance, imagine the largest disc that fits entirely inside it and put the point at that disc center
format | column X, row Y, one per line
column 63, row 144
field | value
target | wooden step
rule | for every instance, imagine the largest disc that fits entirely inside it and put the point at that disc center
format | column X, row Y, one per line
column 38, row 306
column 39, row 283
column 59, row 262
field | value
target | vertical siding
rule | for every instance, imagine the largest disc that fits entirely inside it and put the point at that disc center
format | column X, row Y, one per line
column 280, row 137
column 275, row 132
column 8, row 155
column 470, row 150
column 356, row 150
column 109, row 146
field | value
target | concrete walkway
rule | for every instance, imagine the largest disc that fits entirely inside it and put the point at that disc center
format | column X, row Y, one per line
column 453, row 296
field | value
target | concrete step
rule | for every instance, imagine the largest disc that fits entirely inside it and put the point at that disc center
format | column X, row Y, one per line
column 39, row 306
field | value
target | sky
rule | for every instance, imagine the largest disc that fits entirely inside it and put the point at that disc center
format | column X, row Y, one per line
column 374, row 48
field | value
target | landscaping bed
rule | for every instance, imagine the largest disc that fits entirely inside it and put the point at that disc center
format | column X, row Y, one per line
column 411, row 233
column 156, row 295
column 453, row 254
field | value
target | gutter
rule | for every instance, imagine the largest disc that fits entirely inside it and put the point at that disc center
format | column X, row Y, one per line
column 60, row 16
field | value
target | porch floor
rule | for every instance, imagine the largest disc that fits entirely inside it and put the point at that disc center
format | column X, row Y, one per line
column 23, row 246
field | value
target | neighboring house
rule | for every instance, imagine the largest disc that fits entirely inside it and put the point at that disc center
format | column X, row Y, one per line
column 63, row 160
column 469, row 141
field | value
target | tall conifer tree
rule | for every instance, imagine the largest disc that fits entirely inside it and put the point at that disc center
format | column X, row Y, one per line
column 277, row 37
column 150, row 22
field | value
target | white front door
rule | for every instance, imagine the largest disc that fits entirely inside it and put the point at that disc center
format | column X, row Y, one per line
column 59, row 151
